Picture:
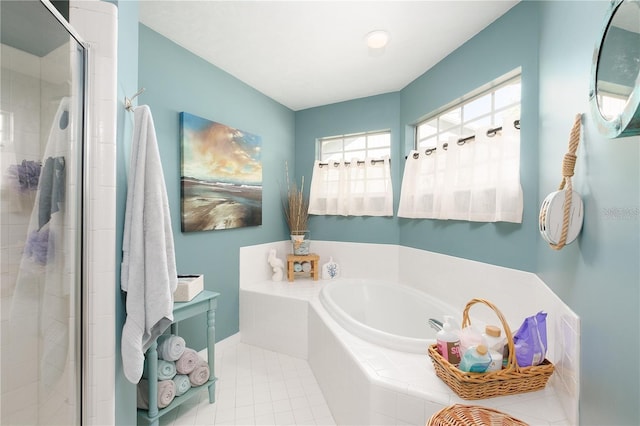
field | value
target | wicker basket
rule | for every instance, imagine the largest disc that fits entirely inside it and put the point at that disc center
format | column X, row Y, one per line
column 472, row 415
column 512, row 379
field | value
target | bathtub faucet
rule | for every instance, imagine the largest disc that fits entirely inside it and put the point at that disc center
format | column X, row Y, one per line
column 435, row 324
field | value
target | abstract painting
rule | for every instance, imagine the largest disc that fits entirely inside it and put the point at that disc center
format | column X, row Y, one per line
column 221, row 176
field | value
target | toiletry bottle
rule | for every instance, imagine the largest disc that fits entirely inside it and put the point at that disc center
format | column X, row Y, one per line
column 448, row 342
column 475, row 360
column 496, row 345
column 469, row 337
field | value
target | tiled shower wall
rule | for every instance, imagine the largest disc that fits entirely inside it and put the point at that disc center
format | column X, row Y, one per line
column 32, row 89
column 20, row 98
column 96, row 22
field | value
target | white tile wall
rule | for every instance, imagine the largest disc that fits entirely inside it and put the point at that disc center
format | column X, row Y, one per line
column 267, row 321
column 402, row 388
column 96, row 22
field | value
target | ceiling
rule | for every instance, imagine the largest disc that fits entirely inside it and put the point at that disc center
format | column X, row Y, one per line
column 310, row 53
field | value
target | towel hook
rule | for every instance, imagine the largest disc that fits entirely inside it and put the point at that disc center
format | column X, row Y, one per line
column 127, row 101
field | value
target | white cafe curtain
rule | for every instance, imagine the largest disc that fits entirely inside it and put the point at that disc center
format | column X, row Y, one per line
column 354, row 188
column 478, row 181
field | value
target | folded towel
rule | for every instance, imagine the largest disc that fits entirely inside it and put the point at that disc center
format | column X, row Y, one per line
column 187, row 362
column 182, row 383
column 166, row 393
column 170, row 347
column 166, row 370
column 200, row 374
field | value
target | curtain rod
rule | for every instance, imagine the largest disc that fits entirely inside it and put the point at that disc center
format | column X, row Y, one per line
column 337, row 163
column 490, row 133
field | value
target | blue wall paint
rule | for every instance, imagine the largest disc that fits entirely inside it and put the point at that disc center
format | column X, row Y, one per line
column 176, row 81
column 373, row 113
column 125, row 394
column 507, row 44
column 598, row 275
column 484, row 58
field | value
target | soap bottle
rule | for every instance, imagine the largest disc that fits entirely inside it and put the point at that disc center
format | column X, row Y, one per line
column 475, row 360
column 496, row 345
column 448, row 342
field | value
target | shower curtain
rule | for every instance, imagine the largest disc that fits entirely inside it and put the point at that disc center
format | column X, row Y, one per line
column 40, row 317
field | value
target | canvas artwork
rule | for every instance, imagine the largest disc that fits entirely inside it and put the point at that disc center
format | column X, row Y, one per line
column 221, row 176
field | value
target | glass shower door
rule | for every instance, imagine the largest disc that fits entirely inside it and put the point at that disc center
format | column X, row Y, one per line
column 41, row 152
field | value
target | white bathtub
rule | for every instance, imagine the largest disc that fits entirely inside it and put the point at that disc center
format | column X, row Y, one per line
column 390, row 315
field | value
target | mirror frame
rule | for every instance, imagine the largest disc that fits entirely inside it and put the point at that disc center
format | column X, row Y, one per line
column 628, row 122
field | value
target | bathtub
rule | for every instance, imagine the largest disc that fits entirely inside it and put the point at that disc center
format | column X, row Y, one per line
column 387, row 314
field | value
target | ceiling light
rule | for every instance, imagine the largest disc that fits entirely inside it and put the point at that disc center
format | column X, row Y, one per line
column 377, row 39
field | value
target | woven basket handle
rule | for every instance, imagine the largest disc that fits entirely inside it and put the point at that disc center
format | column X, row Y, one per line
column 512, row 362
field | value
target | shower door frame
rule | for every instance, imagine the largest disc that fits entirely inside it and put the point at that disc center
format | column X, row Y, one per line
column 81, row 302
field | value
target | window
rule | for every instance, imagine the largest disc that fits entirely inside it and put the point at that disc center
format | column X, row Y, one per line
column 478, row 178
column 463, row 119
column 359, row 145
column 352, row 176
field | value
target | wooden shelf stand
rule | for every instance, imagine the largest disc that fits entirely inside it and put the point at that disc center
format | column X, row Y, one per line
column 205, row 301
column 313, row 259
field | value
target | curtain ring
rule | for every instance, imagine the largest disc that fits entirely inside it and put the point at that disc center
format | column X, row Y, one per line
column 516, row 124
column 491, row 133
column 429, row 151
column 336, row 164
column 416, row 155
column 445, row 146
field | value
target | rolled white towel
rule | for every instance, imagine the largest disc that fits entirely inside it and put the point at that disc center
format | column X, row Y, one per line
column 187, row 362
column 200, row 375
column 166, row 393
column 183, row 384
column 170, row 347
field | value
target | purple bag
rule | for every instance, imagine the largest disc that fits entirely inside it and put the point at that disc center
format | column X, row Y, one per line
column 530, row 341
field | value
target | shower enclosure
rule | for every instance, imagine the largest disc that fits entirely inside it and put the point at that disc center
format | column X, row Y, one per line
column 42, row 98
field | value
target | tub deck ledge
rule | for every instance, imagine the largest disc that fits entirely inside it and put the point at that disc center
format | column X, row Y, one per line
column 364, row 383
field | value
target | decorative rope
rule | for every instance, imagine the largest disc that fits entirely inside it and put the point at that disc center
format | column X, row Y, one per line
column 568, row 165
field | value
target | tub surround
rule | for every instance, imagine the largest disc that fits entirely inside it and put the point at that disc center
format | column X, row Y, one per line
column 368, row 384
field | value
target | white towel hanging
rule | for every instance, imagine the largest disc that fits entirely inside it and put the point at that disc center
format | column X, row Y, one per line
column 148, row 272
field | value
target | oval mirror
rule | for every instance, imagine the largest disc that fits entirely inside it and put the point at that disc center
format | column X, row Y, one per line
column 615, row 76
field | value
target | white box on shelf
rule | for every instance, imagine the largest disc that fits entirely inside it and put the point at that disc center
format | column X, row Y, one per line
column 189, row 286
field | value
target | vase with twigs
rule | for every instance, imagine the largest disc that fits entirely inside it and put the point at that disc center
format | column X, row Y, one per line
column 296, row 212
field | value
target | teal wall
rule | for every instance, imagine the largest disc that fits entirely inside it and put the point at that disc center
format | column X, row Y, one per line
column 484, row 58
column 507, row 44
column 125, row 394
column 373, row 113
column 598, row 275
column 176, row 81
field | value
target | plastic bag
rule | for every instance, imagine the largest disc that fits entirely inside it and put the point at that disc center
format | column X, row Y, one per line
column 530, row 341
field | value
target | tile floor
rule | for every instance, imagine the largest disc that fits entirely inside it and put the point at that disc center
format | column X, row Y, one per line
column 256, row 387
